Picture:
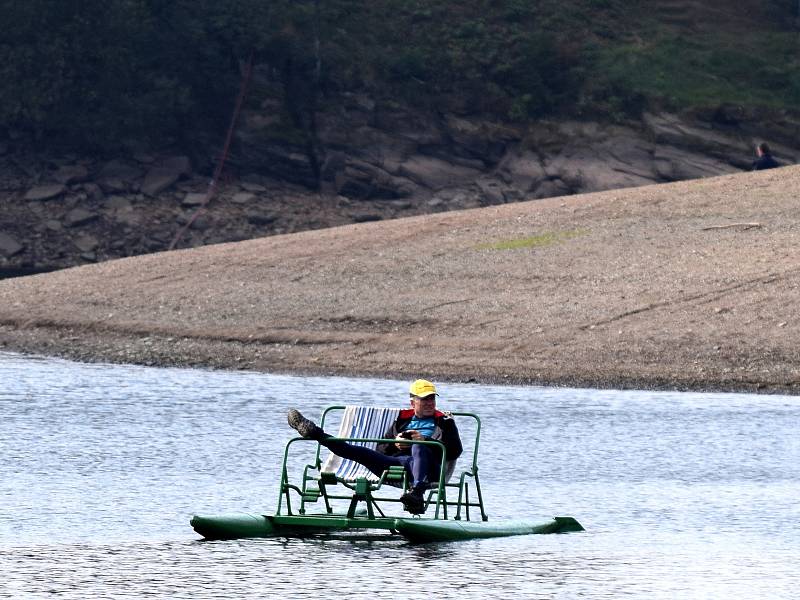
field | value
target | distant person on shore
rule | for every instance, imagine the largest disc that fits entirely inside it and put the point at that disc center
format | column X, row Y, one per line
column 764, row 158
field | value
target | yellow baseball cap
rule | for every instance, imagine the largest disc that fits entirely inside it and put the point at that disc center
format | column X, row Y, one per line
column 422, row 388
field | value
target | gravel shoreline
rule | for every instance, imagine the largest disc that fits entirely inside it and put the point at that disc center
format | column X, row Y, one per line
column 691, row 286
column 165, row 351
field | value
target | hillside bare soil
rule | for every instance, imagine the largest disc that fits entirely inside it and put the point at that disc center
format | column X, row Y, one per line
column 689, row 285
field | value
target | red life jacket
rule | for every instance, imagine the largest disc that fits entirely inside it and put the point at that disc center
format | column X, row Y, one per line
column 408, row 413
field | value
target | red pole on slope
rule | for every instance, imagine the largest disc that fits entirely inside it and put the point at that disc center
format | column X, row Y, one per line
column 212, row 186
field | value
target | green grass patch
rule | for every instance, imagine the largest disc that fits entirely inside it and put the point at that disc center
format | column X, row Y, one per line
column 754, row 69
column 541, row 240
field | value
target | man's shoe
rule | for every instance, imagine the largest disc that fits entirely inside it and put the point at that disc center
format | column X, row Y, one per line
column 414, row 501
column 307, row 429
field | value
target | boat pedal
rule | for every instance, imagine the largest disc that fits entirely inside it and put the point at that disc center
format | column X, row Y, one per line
column 395, row 473
column 311, row 495
column 328, row 478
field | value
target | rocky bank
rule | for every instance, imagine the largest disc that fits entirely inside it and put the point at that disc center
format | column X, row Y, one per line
column 686, row 285
column 371, row 161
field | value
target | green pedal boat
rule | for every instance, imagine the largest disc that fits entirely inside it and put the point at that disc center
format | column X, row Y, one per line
column 337, row 497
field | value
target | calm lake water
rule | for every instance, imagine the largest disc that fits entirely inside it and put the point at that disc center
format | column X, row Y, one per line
column 682, row 495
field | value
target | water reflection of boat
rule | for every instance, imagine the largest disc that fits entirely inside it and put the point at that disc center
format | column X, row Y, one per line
column 357, row 503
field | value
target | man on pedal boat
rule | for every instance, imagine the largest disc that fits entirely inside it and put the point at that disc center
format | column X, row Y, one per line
column 420, row 422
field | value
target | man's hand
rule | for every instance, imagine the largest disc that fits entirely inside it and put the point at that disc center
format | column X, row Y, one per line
column 412, row 434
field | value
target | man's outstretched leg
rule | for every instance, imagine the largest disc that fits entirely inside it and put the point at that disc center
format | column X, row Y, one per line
column 416, row 465
column 376, row 462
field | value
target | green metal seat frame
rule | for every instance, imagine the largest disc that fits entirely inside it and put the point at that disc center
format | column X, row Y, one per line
column 317, row 485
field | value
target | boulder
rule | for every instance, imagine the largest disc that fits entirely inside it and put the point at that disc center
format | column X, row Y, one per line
column 117, row 176
column 583, row 157
column 365, row 217
column 702, row 138
column 162, row 234
column 629, row 153
column 479, row 138
column 362, row 180
column 400, row 204
column 71, row 173
column 194, row 199
column 491, row 191
column 45, row 192
column 9, row 246
column 673, row 164
column 113, row 185
column 79, row 216
column 261, row 219
column 243, row 198
column 159, row 179
column 164, row 174
column 522, row 170
column 594, row 169
column 201, row 223
column 117, row 203
column 550, row 188
column 253, row 187
column 94, row 191
column 513, row 195
column 86, row 243
column 288, row 161
column 129, row 218
column 435, row 173
column 462, row 199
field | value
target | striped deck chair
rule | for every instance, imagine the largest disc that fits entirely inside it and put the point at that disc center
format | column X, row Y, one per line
column 359, row 422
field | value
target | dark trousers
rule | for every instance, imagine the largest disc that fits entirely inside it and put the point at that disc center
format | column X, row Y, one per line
column 417, row 464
